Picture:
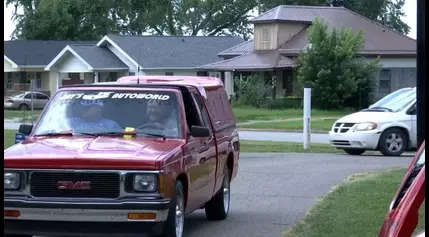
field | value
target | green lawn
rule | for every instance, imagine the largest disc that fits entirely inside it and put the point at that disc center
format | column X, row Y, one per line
column 243, row 114
column 316, row 125
column 354, row 209
column 279, row 147
column 9, row 114
column 246, row 146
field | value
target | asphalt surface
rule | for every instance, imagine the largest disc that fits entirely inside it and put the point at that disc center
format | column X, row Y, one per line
column 282, row 136
column 273, row 191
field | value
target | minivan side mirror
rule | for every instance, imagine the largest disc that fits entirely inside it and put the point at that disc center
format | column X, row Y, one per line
column 412, row 110
column 25, row 129
column 200, row 131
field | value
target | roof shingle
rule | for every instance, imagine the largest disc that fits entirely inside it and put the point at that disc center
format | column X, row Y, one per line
column 174, row 51
column 36, row 52
column 98, row 57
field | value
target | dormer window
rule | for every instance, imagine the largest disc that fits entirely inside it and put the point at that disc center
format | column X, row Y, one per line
column 265, row 35
column 265, row 38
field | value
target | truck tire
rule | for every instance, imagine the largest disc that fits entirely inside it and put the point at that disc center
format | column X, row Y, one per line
column 393, row 142
column 218, row 207
column 355, row 152
column 175, row 223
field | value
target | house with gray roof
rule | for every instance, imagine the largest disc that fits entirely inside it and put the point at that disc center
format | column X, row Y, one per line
column 282, row 32
column 53, row 64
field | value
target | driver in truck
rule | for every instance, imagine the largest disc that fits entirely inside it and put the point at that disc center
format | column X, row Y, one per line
column 161, row 115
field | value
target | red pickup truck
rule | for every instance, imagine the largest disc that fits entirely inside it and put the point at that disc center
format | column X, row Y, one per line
column 124, row 158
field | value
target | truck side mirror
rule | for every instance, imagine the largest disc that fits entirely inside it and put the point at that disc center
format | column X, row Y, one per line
column 200, row 131
column 25, row 129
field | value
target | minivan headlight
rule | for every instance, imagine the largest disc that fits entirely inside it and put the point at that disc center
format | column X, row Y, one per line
column 11, row 180
column 365, row 126
column 145, row 182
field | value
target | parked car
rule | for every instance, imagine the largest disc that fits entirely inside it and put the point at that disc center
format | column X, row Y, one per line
column 403, row 214
column 22, row 100
column 389, row 126
column 122, row 158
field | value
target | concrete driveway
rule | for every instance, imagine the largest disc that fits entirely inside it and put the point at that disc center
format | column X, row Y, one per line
column 273, row 191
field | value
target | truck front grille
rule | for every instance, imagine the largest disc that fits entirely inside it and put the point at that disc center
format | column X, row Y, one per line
column 98, row 185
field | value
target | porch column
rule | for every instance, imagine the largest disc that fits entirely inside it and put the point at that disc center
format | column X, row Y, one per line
column 58, row 81
column 96, row 77
column 229, row 83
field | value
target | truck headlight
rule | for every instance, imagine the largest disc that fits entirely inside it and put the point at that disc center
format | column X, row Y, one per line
column 365, row 126
column 145, row 182
column 11, row 180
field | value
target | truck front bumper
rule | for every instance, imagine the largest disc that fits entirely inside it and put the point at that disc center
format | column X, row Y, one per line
column 99, row 218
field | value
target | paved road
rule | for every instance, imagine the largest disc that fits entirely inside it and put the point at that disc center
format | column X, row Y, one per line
column 273, row 191
column 254, row 135
column 282, row 136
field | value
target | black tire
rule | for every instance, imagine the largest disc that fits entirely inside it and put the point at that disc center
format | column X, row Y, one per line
column 23, row 107
column 354, row 152
column 218, row 208
column 169, row 229
column 386, row 147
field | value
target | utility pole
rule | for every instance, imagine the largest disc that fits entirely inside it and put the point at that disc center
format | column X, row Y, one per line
column 420, row 72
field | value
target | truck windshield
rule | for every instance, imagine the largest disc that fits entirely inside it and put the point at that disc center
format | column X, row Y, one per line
column 149, row 112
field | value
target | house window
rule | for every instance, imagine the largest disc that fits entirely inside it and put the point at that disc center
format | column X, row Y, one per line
column 265, row 35
column 203, row 74
column 9, row 82
column 169, row 73
column 384, row 84
column 38, row 80
column 113, row 76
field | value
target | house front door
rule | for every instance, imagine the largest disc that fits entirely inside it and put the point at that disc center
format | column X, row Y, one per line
column 74, row 79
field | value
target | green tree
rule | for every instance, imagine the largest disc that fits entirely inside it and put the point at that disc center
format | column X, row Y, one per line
column 332, row 68
column 86, row 20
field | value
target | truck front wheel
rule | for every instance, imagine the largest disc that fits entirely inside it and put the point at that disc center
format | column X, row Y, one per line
column 173, row 227
column 218, row 207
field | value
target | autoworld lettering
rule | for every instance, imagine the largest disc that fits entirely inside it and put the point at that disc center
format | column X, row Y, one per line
column 140, row 96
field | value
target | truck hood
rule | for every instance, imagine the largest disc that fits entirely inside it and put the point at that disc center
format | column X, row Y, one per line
column 90, row 152
column 367, row 116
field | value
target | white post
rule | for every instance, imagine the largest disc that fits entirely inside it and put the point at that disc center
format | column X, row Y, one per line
column 307, row 118
column 32, row 82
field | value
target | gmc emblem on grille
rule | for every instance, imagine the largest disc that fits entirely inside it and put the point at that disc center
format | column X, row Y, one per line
column 71, row 185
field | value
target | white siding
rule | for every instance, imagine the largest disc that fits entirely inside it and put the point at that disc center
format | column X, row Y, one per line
column 397, row 62
column 122, row 58
column 70, row 63
column 8, row 67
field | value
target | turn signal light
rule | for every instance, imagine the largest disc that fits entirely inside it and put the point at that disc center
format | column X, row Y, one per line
column 12, row 213
column 141, row 216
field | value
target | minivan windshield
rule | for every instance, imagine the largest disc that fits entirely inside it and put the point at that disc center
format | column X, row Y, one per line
column 109, row 112
column 391, row 96
column 394, row 104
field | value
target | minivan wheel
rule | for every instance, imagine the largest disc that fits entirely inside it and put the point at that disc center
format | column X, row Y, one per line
column 355, row 152
column 393, row 142
column 218, row 207
column 23, row 107
column 175, row 223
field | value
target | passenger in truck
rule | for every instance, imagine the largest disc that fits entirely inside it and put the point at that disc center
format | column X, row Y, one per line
column 162, row 115
column 92, row 117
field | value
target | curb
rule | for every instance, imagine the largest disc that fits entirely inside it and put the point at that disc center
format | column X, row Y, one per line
column 280, row 130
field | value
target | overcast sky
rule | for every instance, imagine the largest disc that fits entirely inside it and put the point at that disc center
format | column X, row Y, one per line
column 410, row 9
